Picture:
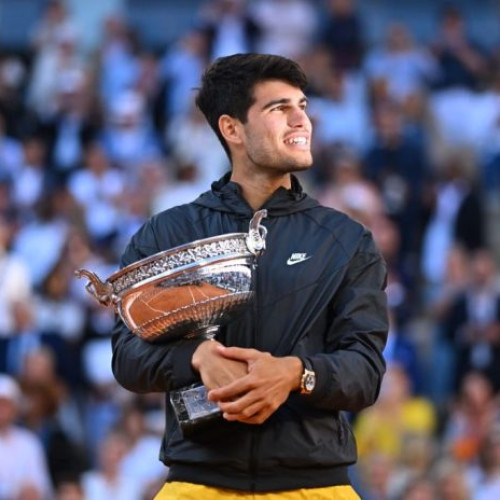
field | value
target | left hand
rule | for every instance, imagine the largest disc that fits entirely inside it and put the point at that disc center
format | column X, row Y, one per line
column 253, row 398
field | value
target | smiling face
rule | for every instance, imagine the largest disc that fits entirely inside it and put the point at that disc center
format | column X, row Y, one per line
column 276, row 137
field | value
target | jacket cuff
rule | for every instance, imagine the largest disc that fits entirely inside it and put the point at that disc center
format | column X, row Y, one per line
column 323, row 385
column 183, row 373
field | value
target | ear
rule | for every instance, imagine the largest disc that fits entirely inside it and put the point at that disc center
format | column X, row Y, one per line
column 230, row 129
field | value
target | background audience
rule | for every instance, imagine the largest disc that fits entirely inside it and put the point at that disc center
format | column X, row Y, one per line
column 92, row 142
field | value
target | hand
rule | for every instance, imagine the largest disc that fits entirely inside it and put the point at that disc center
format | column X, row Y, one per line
column 252, row 399
column 215, row 369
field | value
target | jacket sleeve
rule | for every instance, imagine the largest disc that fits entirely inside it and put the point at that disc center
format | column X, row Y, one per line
column 138, row 365
column 350, row 373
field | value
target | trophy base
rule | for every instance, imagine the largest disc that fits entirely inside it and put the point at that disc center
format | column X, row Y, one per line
column 192, row 407
column 190, row 404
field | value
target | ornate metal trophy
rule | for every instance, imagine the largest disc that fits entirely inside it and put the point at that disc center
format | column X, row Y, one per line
column 188, row 291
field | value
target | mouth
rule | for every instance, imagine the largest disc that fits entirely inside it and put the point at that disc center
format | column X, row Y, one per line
column 298, row 140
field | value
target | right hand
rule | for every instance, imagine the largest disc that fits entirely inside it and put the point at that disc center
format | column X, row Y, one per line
column 216, row 370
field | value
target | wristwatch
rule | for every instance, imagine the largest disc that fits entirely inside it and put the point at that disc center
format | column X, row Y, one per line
column 308, row 379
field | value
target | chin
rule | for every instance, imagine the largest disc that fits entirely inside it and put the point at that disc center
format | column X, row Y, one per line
column 298, row 166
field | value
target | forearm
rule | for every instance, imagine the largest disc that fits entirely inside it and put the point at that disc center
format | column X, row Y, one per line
column 350, row 370
column 345, row 381
column 142, row 367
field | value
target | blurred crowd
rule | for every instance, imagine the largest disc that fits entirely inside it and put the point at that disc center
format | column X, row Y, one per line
column 407, row 141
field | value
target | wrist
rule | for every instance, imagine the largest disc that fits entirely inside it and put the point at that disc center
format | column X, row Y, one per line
column 295, row 368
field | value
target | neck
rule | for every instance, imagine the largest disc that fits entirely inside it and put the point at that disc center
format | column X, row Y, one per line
column 258, row 187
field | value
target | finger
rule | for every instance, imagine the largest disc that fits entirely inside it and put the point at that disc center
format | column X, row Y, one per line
column 238, row 353
column 241, row 404
column 245, row 414
column 230, row 391
column 256, row 419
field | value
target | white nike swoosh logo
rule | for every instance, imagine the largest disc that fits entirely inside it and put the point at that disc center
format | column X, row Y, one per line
column 291, row 261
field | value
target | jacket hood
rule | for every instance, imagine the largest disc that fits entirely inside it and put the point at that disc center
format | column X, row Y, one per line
column 226, row 196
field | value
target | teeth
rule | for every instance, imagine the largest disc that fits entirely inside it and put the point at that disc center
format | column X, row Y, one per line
column 297, row 140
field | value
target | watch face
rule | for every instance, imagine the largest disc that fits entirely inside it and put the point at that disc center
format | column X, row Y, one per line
column 309, row 382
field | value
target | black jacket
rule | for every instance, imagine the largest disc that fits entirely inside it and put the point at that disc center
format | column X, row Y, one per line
column 330, row 308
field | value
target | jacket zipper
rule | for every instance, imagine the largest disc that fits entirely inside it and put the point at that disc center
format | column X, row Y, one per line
column 253, row 466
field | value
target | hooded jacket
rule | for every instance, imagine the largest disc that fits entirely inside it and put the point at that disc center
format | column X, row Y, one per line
column 330, row 307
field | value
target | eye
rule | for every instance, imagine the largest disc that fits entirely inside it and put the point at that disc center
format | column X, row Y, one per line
column 281, row 107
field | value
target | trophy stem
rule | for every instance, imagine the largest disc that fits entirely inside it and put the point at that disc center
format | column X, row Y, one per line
column 207, row 332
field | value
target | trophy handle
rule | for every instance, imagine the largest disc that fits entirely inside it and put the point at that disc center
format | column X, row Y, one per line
column 256, row 238
column 101, row 290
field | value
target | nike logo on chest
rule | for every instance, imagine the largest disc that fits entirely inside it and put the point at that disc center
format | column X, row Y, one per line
column 296, row 258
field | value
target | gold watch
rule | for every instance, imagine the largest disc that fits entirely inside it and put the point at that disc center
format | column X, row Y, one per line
column 308, row 379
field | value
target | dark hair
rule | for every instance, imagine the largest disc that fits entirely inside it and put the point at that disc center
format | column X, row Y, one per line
column 227, row 86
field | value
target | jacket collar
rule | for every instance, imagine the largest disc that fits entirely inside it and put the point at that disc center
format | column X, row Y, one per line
column 226, row 196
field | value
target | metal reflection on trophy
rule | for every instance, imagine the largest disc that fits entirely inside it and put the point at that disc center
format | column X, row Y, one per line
column 189, row 291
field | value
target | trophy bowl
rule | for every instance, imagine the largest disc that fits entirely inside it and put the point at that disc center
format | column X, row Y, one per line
column 187, row 291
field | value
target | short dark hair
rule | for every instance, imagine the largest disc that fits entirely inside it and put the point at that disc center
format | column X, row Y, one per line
column 227, row 86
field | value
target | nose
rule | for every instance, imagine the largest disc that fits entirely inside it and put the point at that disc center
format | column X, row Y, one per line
column 298, row 118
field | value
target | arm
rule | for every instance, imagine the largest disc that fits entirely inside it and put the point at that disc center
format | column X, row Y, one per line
column 348, row 374
column 140, row 366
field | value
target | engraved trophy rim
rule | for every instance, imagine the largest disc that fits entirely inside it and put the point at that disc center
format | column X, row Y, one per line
column 179, row 248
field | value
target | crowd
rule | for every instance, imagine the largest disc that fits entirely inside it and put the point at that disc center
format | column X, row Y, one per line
column 407, row 141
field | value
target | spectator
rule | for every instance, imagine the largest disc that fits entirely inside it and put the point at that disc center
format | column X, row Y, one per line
column 192, row 142
column 450, row 479
column 98, row 188
column 457, row 218
column 461, row 61
column 15, row 284
column 229, row 28
column 128, row 135
column 106, row 480
column 401, row 68
column 40, row 242
column 343, row 34
column 487, row 485
column 56, row 61
column 23, row 469
column 11, row 155
column 117, row 65
column 399, row 167
column 70, row 127
column 396, row 415
column 286, row 26
column 348, row 191
column 472, row 324
column 141, row 462
column 181, row 68
column 29, row 183
column 339, row 114
column 470, row 419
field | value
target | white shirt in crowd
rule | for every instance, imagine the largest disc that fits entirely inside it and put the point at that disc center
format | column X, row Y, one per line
column 22, row 463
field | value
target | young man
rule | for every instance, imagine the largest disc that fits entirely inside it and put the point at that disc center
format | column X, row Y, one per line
column 309, row 349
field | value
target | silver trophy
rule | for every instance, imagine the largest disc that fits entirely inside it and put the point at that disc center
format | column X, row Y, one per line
column 189, row 291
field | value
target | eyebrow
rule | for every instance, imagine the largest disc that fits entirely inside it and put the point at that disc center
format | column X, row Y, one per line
column 284, row 100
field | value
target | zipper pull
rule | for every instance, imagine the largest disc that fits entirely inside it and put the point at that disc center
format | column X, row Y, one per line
column 256, row 238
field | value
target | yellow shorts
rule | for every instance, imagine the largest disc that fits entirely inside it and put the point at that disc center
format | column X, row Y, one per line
column 189, row 491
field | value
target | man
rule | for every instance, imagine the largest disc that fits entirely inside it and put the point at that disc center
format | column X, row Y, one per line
column 23, row 468
column 311, row 345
